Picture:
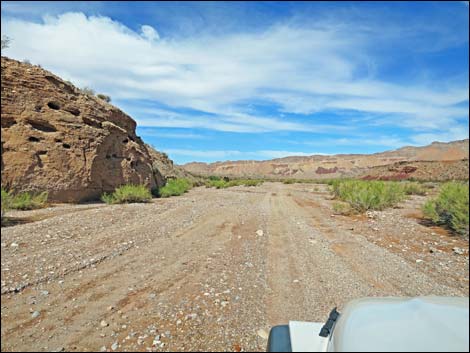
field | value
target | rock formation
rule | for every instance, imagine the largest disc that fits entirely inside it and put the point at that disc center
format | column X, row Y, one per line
column 56, row 138
column 437, row 161
column 165, row 166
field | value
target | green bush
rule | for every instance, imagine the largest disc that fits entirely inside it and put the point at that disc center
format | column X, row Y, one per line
column 216, row 183
column 88, row 91
column 222, row 184
column 5, row 203
column 27, row 201
column 414, row 188
column 342, row 208
column 175, row 187
column 128, row 194
column 251, row 182
column 104, row 97
column 450, row 207
column 368, row 195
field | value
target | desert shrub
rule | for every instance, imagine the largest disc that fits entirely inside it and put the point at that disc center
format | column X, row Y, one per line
column 414, row 188
column 88, row 91
column 219, row 184
column 175, row 187
column 450, row 207
column 289, row 181
column 104, row 97
column 27, row 201
column 5, row 203
column 214, row 177
column 222, row 184
column 6, row 42
column 128, row 194
column 250, row 182
column 342, row 208
column 368, row 195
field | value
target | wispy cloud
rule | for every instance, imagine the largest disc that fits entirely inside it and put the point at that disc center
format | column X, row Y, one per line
column 228, row 122
column 303, row 70
column 204, row 155
column 339, row 75
column 170, row 135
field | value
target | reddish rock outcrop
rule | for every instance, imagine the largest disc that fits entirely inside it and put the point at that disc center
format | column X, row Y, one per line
column 56, row 138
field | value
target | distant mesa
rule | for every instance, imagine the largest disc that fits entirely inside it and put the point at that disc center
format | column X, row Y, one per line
column 437, row 161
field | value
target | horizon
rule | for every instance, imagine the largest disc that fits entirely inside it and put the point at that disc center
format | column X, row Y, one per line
column 209, row 82
column 323, row 154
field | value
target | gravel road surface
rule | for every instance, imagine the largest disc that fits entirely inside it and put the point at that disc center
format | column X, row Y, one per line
column 211, row 270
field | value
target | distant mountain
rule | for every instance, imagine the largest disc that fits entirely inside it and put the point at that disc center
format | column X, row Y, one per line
column 437, row 161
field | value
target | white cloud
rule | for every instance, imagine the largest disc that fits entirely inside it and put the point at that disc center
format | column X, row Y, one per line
column 303, row 70
column 171, row 135
column 235, row 154
column 149, row 33
column 235, row 122
column 452, row 134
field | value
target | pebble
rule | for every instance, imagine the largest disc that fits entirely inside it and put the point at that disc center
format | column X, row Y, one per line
column 418, row 261
column 35, row 314
column 103, row 323
column 458, row 251
column 44, row 293
column 103, row 349
column 259, row 232
column 114, row 346
column 263, row 334
column 191, row 316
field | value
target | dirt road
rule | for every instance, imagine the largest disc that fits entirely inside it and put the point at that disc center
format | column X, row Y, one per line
column 210, row 270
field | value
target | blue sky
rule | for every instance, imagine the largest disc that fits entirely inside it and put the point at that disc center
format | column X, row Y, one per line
column 210, row 81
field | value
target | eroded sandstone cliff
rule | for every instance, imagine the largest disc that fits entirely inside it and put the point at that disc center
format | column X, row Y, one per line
column 56, row 138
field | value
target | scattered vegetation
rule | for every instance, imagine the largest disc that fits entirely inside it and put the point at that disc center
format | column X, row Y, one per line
column 6, row 42
column 88, row 91
column 128, row 194
column 27, row 201
column 104, row 97
column 5, row 203
column 414, row 188
column 225, row 183
column 368, row 195
column 450, row 207
column 23, row 200
column 175, row 187
column 306, row 181
column 342, row 208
